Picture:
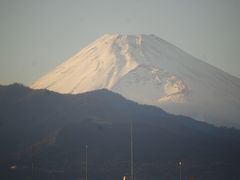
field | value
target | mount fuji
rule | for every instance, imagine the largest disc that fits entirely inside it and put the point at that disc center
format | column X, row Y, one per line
column 149, row 70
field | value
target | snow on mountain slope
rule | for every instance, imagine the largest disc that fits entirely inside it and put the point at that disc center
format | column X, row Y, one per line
column 149, row 70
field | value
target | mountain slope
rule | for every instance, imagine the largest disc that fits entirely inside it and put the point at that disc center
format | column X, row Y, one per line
column 149, row 70
column 51, row 130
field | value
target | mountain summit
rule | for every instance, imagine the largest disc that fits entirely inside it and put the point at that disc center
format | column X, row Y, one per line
column 149, row 70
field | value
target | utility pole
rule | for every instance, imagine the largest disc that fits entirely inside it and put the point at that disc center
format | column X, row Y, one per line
column 86, row 161
column 131, row 126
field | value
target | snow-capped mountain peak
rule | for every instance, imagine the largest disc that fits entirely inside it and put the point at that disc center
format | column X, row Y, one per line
column 149, row 70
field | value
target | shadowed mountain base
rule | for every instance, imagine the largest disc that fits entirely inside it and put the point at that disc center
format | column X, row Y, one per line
column 44, row 134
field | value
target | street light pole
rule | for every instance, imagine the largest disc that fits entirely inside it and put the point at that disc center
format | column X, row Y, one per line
column 86, row 148
column 131, row 126
column 180, row 170
column 32, row 165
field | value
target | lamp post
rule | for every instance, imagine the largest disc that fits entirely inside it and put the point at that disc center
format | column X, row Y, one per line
column 180, row 170
column 86, row 148
column 131, row 126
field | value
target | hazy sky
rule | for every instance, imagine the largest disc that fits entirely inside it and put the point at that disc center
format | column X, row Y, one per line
column 37, row 35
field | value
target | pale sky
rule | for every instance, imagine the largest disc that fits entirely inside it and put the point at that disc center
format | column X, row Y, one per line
column 37, row 35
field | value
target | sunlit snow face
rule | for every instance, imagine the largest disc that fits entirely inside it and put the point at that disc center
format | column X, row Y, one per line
column 149, row 70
